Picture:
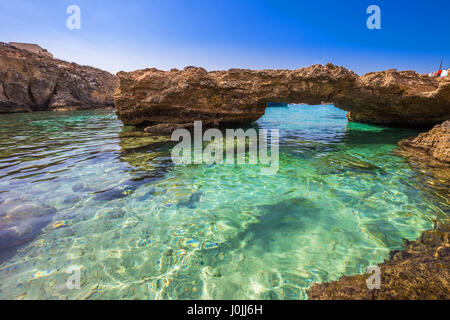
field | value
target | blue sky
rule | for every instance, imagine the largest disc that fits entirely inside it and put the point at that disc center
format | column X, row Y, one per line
column 220, row 34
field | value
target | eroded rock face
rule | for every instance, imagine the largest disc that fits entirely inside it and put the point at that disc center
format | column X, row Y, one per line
column 435, row 143
column 240, row 96
column 31, row 82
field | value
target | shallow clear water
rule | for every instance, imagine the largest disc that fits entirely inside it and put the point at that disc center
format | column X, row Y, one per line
column 141, row 228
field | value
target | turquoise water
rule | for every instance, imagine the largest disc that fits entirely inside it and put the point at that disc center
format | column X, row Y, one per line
column 139, row 227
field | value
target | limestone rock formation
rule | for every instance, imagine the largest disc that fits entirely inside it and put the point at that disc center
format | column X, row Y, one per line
column 238, row 96
column 33, row 82
column 435, row 143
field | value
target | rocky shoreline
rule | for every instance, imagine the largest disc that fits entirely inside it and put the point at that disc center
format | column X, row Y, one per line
column 32, row 82
column 422, row 269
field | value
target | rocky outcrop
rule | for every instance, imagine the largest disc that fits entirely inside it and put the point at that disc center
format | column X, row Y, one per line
column 435, row 143
column 420, row 272
column 33, row 82
column 239, row 96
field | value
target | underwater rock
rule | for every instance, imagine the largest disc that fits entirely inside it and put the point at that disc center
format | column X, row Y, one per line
column 115, row 213
column 32, row 82
column 166, row 99
column 191, row 203
column 343, row 163
column 81, row 187
column 22, row 220
column 112, row 194
column 276, row 224
column 124, row 189
column 130, row 142
column 166, row 128
column 152, row 163
column 71, row 199
column 148, row 194
column 422, row 269
column 297, row 214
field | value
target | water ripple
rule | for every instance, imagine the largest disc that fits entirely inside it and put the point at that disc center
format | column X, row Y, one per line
column 141, row 228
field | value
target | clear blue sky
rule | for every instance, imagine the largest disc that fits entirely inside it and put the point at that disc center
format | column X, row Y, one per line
column 220, row 34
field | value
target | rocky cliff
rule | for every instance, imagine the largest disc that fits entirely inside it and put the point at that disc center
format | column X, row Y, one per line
column 154, row 97
column 32, row 82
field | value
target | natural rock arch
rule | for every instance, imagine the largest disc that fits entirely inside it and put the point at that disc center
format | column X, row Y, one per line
column 239, row 96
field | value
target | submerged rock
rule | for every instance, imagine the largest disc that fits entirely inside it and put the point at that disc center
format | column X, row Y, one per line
column 166, row 128
column 279, row 220
column 81, row 187
column 124, row 189
column 193, row 200
column 115, row 213
column 165, row 100
column 344, row 163
column 146, row 194
column 71, row 199
column 112, row 194
column 130, row 142
column 22, row 220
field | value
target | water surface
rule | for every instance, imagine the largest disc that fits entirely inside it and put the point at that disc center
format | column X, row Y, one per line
column 140, row 227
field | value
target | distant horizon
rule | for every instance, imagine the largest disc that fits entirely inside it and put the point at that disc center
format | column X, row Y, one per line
column 219, row 35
